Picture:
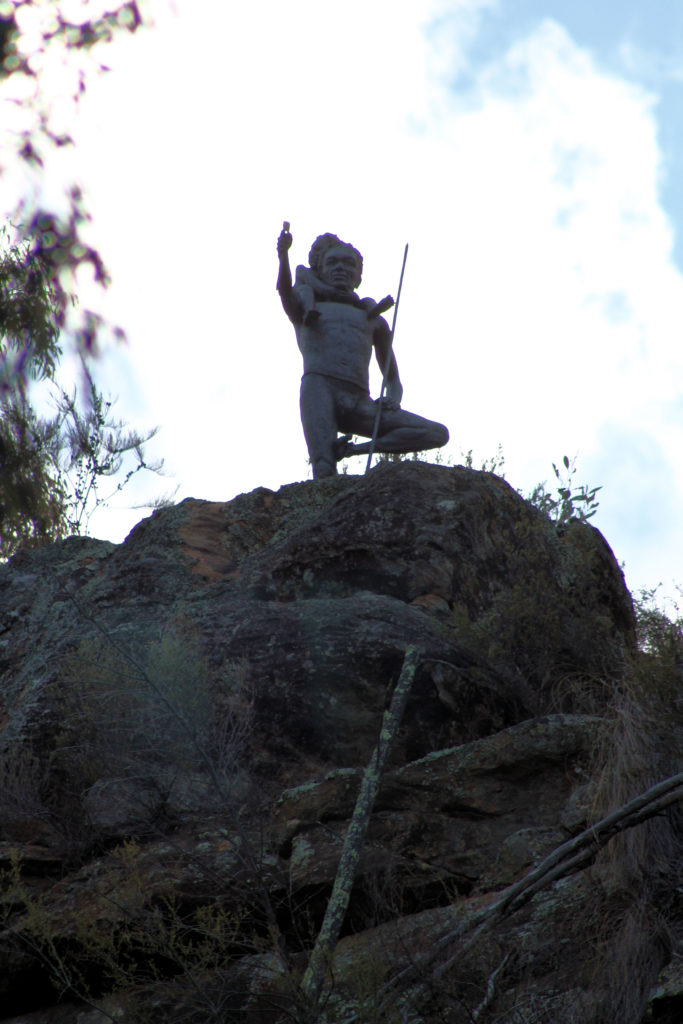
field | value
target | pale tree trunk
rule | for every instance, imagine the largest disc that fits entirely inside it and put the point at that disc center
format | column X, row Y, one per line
column 313, row 980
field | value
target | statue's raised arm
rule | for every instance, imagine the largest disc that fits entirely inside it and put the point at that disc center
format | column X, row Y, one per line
column 337, row 332
column 284, row 278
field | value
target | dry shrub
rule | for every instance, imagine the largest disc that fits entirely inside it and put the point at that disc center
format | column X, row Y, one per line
column 580, row 694
column 147, row 731
column 642, row 868
column 643, row 745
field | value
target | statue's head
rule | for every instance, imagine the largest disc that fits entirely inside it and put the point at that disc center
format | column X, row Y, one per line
column 335, row 262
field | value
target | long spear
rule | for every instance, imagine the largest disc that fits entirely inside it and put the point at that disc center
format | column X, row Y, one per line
column 375, row 429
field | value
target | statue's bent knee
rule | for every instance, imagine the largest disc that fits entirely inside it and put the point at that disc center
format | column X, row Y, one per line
column 442, row 435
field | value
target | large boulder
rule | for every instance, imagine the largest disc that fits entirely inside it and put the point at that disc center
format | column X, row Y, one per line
column 185, row 718
column 299, row 605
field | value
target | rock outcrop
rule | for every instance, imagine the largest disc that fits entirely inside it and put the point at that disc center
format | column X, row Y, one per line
column 185, row 719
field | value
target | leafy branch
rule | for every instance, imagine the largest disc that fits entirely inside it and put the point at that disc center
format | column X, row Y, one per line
column 48, row 53
column 569, row 502
column 90, row 447
column 55, row 470
column 29, row 321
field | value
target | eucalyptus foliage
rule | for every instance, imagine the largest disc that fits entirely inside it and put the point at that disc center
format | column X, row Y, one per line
column 568, row 502
column 29, row 318
column 54, row 470
column 48, row 53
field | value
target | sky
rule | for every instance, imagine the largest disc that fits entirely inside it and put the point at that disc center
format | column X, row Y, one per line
column 530, row 153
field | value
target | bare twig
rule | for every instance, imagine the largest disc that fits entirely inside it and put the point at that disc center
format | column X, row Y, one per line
column 490, row 989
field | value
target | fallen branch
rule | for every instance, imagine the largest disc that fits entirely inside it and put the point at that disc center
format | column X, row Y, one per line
column 567, row 859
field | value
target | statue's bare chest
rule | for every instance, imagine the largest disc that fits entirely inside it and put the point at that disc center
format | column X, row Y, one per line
column 338, row 343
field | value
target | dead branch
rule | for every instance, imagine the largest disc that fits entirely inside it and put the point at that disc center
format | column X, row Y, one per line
column 566, row 859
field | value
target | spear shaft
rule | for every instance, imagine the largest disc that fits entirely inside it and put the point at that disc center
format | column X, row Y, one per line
column 389, row 357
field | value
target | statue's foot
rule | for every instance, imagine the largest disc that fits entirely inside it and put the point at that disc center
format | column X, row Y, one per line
column 311, row 317
column 342, row 447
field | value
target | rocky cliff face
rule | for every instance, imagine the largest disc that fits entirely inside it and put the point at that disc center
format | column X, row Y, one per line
column 185, row 719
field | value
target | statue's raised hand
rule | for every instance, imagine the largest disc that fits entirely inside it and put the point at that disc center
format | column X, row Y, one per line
column 284, row 241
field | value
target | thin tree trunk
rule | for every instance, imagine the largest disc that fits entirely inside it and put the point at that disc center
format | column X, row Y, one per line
column 314, row 978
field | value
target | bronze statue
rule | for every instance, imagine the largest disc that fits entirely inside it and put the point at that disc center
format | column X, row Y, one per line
column 336, row 332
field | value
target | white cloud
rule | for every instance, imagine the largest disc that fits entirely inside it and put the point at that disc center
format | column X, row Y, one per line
column 541, row 307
